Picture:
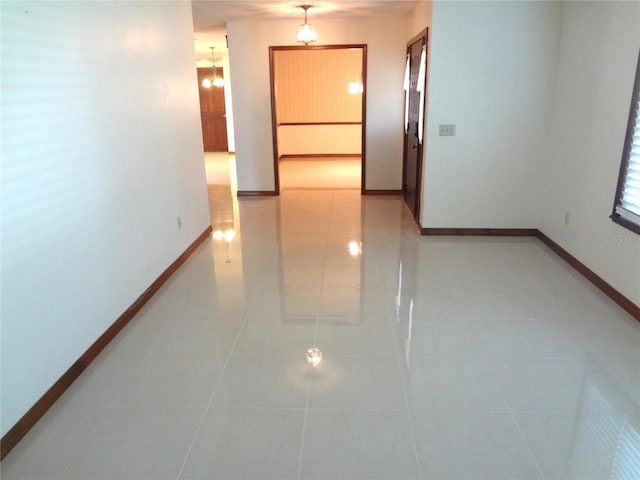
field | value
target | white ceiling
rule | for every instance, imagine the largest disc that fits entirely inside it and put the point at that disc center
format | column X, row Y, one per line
column 211, row 13
column 210, row 16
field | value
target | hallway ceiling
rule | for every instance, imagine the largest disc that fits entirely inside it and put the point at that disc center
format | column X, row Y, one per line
column 208, row 14
column 211, row 16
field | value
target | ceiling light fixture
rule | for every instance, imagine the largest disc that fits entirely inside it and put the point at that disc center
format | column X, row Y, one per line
column 356, row 87
column 214, row 80
column 306, row 34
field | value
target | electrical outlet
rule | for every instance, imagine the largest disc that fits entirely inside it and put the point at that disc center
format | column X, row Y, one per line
column 567, row 218
column 179, row 222
column 448, row 130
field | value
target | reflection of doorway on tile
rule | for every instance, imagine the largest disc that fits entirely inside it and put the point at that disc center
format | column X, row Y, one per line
column 221, row 187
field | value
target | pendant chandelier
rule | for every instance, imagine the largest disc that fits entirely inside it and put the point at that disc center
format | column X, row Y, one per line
column 214, row 80
column 306, row 34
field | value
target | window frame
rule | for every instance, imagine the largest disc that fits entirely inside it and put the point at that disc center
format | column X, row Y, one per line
column 634, row 117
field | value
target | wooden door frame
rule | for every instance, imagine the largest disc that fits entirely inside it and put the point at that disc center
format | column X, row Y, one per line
column 424, row 36
column 274, row 126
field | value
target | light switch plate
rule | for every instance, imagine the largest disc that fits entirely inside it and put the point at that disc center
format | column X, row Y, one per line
column 448, row 130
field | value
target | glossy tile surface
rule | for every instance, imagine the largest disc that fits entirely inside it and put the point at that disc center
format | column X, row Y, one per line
column 443, row 358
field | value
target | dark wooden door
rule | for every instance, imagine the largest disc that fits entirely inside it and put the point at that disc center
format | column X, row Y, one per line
column 212, row 114
column 412, row 164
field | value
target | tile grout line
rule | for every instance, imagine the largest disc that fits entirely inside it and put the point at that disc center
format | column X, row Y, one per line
column 306, row 407
column 400, row 367
column 511, row 414
column 106, row 413
column 86, row 438
column 404, row 366
column 215, row 390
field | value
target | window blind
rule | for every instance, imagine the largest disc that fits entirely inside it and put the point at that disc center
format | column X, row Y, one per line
column 627, row 206
column 630, row 203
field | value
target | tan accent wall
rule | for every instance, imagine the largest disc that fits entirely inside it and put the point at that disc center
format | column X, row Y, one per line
column 311, row 85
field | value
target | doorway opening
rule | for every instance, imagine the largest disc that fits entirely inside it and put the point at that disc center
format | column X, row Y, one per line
column 318, row 108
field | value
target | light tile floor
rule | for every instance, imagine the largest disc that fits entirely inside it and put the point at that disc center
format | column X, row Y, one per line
column 444, row 358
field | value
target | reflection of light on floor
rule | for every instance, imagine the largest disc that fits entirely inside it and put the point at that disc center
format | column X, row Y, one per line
column 314, row 356
column 222, row 186
column 224, row 214
column 229, row 234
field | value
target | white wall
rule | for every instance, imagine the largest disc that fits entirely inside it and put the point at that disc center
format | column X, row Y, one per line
column 598, row 52
column 540, row 94
column 228, row 103
column 491, row 72
column 249, row 43
column 101, row 153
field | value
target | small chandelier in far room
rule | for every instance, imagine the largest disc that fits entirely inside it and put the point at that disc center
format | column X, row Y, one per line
column 214, row 80
column 306, row 34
